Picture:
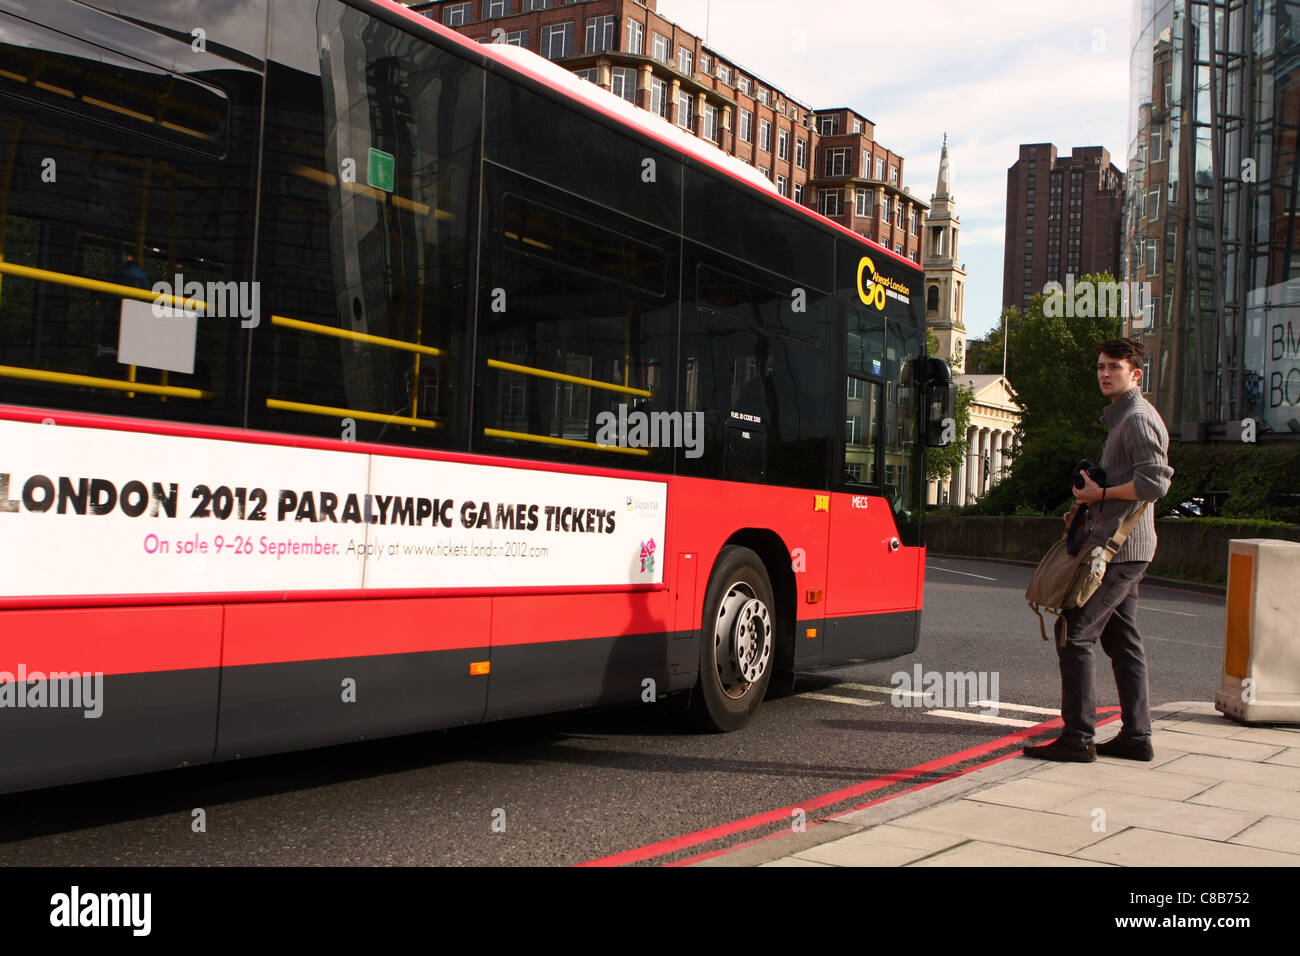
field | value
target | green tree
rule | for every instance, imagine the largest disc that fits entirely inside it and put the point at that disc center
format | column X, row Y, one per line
column 940, row 462
column 1052, row 366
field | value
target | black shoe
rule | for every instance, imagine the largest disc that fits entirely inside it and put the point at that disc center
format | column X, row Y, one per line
column 1068, row 753
column 1127, row 748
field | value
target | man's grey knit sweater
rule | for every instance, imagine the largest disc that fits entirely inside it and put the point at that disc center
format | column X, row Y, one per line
column 1136, row 450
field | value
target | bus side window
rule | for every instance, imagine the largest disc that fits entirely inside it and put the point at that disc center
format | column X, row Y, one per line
column 576, row 331
column 127, row 184
column 368, row 229
column 760, row 376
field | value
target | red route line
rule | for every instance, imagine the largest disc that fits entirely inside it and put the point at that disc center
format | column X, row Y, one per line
column 827, row 799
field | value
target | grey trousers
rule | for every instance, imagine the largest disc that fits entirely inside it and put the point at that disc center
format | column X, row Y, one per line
column 1111, row 615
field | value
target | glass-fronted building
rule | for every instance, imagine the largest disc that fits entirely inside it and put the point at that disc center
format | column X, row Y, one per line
column 1211, row 212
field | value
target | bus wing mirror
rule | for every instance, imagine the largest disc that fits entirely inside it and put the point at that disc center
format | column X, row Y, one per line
column 940, row 404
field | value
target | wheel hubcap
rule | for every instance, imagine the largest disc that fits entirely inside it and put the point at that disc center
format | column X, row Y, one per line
column 742, row 640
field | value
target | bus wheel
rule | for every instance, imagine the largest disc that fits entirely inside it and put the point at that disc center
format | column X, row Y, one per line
column 737, row 641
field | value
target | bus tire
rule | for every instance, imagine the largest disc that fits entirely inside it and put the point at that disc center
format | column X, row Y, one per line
column 737, row 642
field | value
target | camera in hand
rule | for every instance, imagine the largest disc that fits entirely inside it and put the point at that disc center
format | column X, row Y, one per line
column 1093, row 470
column 1081, row 526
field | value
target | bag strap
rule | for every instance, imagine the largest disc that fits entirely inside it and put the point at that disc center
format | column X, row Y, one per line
column 1123, row 531
column 1042, row 628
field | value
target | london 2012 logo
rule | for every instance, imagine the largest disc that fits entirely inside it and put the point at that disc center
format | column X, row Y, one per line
column 648, row 556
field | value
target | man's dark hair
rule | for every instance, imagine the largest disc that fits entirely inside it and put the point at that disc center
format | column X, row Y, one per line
column 1130, row 349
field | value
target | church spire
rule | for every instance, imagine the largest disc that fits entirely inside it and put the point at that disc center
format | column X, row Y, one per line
column 943, row 189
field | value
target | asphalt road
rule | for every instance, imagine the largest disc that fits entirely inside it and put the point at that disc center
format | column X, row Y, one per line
column 576, row 787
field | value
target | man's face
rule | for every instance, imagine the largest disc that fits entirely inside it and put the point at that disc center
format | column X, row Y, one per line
column 1116, row 376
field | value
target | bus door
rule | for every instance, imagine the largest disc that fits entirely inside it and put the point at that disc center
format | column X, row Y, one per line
column 872, row 586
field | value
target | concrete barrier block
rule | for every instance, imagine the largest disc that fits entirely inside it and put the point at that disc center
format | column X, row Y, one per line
column 1261, row 654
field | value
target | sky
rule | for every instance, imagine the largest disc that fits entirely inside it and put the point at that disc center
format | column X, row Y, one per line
column 990, row 75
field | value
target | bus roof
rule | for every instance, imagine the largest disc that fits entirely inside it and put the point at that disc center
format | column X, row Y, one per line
column 538, row 68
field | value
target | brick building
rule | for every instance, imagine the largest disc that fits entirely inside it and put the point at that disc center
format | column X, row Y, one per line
column 826, row 159
column 1064, row 217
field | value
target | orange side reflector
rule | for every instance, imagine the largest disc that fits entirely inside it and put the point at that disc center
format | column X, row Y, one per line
column 479, row 668
column 821, row 502
column 1241, row 581
column 814, row 595
column 810, row 632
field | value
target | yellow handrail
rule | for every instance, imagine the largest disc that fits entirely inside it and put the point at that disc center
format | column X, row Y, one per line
column 334, row 412
column 562, row 377
column 567, row 442
column 94, row 381
column 95, row 285
column 355, row 336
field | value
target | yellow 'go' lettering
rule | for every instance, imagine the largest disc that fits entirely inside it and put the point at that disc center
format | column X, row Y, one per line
column 876, row 296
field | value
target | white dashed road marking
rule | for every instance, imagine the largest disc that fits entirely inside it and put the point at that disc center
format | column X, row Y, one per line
column 971, row 715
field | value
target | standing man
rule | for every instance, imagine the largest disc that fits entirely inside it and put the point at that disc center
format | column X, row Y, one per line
column 1136, row 461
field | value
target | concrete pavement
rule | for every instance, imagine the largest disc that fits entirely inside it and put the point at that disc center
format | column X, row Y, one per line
column 1218, row 793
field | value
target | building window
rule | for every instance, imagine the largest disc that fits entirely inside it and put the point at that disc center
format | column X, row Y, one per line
column 830, row 201
column 661, row 48
column 622, row 82
column 634, row 38
column 766, row 172
column 893, row 174
column 706, row 64
column 711, row 123
column 902, row 215
column 863, row 203
column 912, row 255
column 1146, row 374
column 898, row 248
column 880, row 169
column 916, row 222
column 685, row 61
column 798, row 193
column 724, row 74
column 686, row 110
column 744, row 85
column 518, row 38
column 530, row 5
column 765, row 136
column 837, row 161
column 783, row 185
column 829, row 125
column 456, row 15
column 1169, row 92
column 783, row 144
column 762, row 96
column 659, row 97
column 746, row 126
column 801, row 153
column 498, row 8
column 589, row 75
column 1153, row 204
column 886, row 210
column 557, row 41
column 600, row 34
column 857, row 126
column 1153, row 257
column 1157, row 145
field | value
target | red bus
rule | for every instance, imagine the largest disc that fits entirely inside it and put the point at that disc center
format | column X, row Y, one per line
column 359, row 380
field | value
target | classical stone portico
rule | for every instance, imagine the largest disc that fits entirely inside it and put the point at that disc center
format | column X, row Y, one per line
column 989, row 441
